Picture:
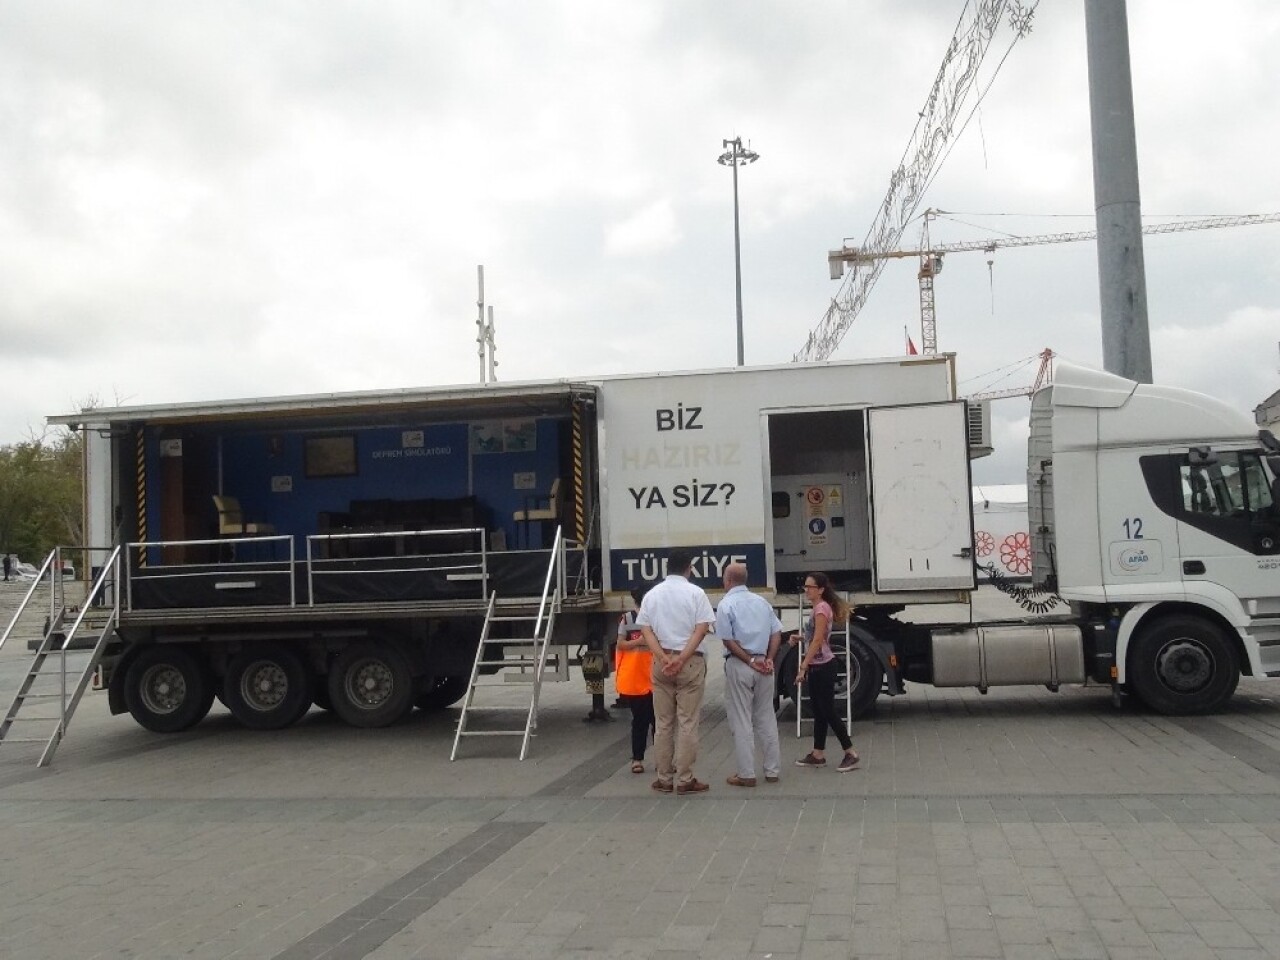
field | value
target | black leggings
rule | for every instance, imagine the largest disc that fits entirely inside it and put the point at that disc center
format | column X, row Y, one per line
column 822, row 698
column 641, row 723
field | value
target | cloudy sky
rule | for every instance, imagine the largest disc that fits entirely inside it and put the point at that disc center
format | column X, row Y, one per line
column 206, row 199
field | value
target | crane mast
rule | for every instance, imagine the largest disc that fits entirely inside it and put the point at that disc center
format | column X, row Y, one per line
column 926, row 149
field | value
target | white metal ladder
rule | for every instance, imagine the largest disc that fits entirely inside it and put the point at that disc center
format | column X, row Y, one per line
column 50, row 660
column 802, row 692
column 527, row 653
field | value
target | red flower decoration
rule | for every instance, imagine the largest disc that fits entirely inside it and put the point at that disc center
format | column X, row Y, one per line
column 1015, row 553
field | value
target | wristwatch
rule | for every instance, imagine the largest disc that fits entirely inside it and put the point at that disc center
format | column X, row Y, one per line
column 754, row 658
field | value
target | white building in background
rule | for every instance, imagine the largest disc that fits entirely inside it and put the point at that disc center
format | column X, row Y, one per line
column 1267, row 413
column 1000, row 529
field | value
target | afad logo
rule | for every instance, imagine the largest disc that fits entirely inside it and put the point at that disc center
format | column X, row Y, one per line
column 1133, row 560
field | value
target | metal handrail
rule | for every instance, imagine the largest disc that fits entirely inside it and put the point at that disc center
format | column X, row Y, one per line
column 27, row 599
column 555, row 572
column 110, row 573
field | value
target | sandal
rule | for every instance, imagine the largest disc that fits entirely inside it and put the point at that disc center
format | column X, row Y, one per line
column 637, row 766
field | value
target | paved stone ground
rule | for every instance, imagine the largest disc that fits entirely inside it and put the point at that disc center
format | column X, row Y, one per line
column 1022, row 824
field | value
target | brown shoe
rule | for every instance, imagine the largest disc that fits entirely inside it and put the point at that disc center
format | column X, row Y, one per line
column 693, row 786
column 737, row 781
column 769, row 779
column 662, row 786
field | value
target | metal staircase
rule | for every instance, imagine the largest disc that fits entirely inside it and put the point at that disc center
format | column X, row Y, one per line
column 44, row 696
column 527, row 655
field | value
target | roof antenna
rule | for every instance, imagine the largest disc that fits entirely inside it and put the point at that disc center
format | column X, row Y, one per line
column 485, row 345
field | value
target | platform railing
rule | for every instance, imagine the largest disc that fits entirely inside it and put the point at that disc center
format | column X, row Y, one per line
column 228, row 568
column 307, row 571
column 460, row 567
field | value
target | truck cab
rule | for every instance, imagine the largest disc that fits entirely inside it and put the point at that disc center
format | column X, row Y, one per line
column 1158, row 507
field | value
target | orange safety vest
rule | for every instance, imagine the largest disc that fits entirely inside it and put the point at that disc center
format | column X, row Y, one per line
column 634, row 669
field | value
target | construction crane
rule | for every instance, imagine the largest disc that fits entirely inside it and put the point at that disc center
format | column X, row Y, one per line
column 930, row 255
column 1043, row 376
column 930, row 142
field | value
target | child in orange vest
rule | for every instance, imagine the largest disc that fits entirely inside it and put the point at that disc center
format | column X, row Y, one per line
column 634, row 669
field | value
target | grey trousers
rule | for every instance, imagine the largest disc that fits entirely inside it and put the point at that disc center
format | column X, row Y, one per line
column 748, row 700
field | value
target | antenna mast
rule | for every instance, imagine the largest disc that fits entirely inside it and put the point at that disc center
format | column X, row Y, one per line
column 485, row 345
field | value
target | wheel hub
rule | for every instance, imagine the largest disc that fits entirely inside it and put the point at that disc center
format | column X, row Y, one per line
column 371, row 684
column 1184, row 666
column 163, row 688
column 264, row 686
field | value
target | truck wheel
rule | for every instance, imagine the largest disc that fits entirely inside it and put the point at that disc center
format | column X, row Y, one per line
column 320, row 694
column 370, row 685
column 268, row 687
column 866, row 677
column 1183, row 664
column 785, row 667
column 442, row 692
column 166, row 689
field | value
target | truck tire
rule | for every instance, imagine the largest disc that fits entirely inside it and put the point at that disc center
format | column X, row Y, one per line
column 267, row 687
column 863, row 685
column 167, row 689
column 1183, row 664
column 370, row 685
column 785, row 665
column 442, row 692
column 320, row 694
column 866, row 678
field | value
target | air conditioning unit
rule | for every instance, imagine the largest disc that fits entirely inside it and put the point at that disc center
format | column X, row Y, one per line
column 978, row 416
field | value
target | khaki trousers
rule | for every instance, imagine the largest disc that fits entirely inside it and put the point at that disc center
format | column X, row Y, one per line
column 677, row 708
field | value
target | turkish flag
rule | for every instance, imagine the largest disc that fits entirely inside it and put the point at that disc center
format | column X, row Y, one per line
column 911, row 347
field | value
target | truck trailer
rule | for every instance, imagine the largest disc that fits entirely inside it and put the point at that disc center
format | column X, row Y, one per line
column 362, row 551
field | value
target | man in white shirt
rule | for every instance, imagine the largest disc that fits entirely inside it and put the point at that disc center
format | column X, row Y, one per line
column 675, row 616
column 751, row 633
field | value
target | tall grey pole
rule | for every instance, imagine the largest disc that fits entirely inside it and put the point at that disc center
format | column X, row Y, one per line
column 735, row 156
column 1126, row 340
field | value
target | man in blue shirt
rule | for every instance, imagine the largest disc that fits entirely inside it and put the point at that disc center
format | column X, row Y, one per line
column 751, row 633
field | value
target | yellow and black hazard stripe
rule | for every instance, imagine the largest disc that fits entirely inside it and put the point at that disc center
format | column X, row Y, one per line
column 141, row 452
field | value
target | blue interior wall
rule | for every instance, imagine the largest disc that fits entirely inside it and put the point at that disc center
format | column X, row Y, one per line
column 443, row 467
column 385, row 470
column 494, row 478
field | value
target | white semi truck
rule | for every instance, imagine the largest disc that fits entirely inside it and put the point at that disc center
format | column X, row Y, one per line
column 351, row 549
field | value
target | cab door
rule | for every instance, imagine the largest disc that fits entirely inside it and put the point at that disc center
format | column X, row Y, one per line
column 920, row 500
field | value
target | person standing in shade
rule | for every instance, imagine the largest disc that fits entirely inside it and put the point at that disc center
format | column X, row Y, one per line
column 633, row 678
column 675, row 616
column 751, row 633
column 8, row 566
column 818, row 667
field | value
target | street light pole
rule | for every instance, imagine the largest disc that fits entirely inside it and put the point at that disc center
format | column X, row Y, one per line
column 734, row 157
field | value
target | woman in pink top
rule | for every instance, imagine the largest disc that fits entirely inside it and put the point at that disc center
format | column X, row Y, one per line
column 818, row 666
